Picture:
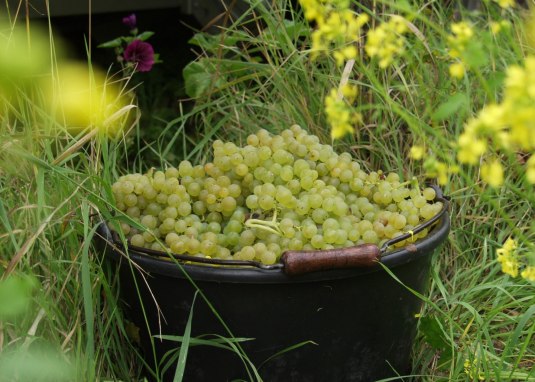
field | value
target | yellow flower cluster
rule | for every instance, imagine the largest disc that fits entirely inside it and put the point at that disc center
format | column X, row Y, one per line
column 462, row 33
column 338, row 28
column 505, row 126
column 84, row 98
column 340, row 114
column 386, row 41
column 508, row 258
column 439, row 170
column 417, row 152
column 529, row 273
column 498, row 26
column 492, row 173
column 472, row 370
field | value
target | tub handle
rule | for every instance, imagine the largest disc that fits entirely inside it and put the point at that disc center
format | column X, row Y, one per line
column 299, row 262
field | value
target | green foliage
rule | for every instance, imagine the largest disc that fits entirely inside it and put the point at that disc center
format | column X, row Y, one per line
column 258, row 73
column 200, row 77
column 16, row 295
column 433, row 333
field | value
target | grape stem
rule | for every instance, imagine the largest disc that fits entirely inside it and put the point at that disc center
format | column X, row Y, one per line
column 413, row 182
column 267, row 225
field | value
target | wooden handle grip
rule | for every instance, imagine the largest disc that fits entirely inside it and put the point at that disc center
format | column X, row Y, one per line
column 299, row 262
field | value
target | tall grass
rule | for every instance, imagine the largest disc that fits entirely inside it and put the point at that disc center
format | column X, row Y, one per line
column 476, row 322
column 50, row 187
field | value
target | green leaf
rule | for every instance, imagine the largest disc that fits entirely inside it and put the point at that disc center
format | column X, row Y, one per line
column 145, row 35
column 433, row 334
column 288, row 349
column 112, row 43
column 211, row 43
column 292, row 29
column 197, row 341
column 199, row 78
column 451, row 106
column 205, row 41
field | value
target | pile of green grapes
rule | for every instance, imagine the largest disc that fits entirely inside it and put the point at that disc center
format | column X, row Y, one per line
column 276, row 193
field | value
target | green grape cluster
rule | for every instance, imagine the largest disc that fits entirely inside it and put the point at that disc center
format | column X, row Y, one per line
column 276, row 193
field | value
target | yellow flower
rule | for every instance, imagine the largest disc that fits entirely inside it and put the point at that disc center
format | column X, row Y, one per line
column 349, row 92
column 490, row 119
column 503, row 126
column 313, row 9
column 492, row 173
column 338, row 28
column 515, row 81
column 457, row 70
column 439, row 170
column 470, row 148
column 84, row 98
column 529, row 273
column 509, row 245
column 496, row 27
column 508, row 258
column 462, row 32
column 472, row 369
column 386, row 41
column 340, row 115
column 417, row 152
column 458, row 41
column 505, row 3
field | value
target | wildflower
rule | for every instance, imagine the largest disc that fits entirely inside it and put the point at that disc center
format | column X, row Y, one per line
column 386, row 41
column 492, row 173
column 457, row 70
column 84, row 98
column 340, row 115
column 489, row 121
column 338, row 28
column 529, row 273
column 313, row 9
column 503, row 126
column 470, row 148
column 130, row 21
column 496, row 27
column 507, row 257
column 440, row 170
column 462, row 33
column 458, row 42
column 505, row 3
column 141, row 54
column 417, row 152
column 472, row 369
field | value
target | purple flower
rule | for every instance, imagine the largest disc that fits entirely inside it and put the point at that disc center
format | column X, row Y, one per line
column 141, row 54
column 130, row 21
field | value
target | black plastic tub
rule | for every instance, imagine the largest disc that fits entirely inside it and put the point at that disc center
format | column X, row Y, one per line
column 361, row 322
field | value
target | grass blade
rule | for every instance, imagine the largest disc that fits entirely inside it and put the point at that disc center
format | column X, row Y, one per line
column 182, row 356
